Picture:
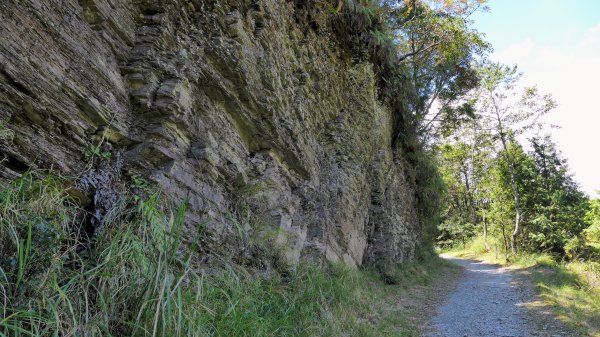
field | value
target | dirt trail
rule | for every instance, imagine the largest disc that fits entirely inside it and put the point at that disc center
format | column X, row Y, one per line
column 491, row 301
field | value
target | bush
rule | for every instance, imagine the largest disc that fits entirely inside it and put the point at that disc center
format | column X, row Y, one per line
column 452, row 233
column 577, row 249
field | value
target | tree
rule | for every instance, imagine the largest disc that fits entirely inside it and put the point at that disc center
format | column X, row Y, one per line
column 465, row 167
column 552, row 198
column 459, row 216
column 435, row 41
column 501, row 205
column 479, row 181
column 506, row 111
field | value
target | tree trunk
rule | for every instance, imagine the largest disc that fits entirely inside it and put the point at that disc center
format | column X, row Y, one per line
column 485, row 234
column 505, row 241
column 513, row 185
column 470, row 198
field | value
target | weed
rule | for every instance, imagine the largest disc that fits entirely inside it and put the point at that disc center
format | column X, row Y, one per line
column 95, row 151
column 140, row 182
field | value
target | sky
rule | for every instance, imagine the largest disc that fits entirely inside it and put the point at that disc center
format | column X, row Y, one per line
column 556, row 44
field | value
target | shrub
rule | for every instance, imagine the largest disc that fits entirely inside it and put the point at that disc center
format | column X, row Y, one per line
column 577, row 249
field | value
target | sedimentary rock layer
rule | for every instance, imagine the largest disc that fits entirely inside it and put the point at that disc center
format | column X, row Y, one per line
column 264, row 123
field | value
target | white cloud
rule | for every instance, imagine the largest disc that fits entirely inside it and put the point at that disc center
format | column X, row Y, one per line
column 515, row 52
column 591, row 37
column 572, row 76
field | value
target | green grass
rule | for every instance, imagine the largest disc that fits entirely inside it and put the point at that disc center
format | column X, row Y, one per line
column 572, row 289
column 134, row 278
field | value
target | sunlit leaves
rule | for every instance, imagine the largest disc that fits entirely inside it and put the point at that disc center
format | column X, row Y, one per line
column 438, row 45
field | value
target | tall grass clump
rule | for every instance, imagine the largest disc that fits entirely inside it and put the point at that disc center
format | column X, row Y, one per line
column 54, row 280
column 132, row 277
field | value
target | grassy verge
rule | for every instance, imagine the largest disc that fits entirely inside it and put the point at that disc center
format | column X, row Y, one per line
column 572, row 289
column 133, row 279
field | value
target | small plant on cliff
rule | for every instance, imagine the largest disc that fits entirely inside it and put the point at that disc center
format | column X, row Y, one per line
column 96, row 151
column 6, row 133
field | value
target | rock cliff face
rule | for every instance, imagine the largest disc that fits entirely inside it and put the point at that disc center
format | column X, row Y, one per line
column 263, row 122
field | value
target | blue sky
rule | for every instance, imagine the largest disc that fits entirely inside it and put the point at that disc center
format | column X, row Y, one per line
column 548, row 22
column 556, row 44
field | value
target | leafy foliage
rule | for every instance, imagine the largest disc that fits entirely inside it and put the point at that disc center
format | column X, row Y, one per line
column 553, row 207
column 439, row 47
column 592, row 217
column 466, row 159
column 429, row 190
column 492, row 181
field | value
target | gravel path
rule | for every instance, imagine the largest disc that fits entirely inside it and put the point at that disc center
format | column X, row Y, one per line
column 488, row 301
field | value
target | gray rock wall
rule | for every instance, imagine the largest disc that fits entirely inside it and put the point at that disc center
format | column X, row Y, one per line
column 267, row 126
